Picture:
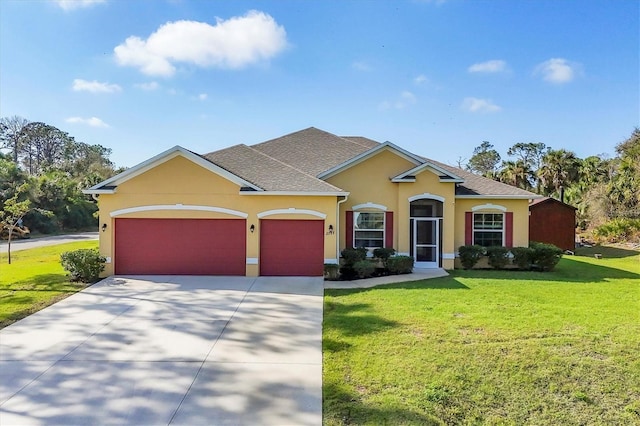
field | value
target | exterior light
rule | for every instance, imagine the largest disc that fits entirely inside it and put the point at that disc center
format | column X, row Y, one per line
column 104, row 227
column 330, row 229
column 252, row 228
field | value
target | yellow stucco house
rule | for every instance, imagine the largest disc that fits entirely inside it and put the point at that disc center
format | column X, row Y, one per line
column 288, row 205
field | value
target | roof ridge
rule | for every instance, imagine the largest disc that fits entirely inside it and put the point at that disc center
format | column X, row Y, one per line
column 290, row 166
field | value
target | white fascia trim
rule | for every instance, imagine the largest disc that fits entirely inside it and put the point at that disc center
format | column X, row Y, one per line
column 369, row 205
column 291, row 210
column 448, row 256
column 156, row 207
column 252, row 260
column 427, row 196
column 98, row 191
column 363, row 156
column 331, row 261
column 499, row 197
column 488, row 206
column 296, row 193
column 433, row 168
column 166, row 156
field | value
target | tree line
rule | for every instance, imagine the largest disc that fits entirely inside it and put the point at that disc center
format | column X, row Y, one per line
column 601, row 188
column 42, row 173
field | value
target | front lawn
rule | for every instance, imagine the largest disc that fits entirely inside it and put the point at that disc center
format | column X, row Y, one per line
column 489, row 347
column 34, row 280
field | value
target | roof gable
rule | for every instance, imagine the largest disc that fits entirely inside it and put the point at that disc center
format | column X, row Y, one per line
column 368, row 154
column 444, row 175
column 110, row 185
column 548, row 200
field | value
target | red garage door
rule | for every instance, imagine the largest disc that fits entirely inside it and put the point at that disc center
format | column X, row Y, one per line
column 292, row 247
column 180, row 246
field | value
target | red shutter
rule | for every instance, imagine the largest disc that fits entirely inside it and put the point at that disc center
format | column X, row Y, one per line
column 468, row 228
column 508, row 238
column 388, row 230
column 348, row 228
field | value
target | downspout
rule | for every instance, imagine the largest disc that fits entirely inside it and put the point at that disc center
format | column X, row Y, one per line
column 346, row 197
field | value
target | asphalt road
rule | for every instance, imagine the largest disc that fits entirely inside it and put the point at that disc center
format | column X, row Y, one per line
column 30, row 243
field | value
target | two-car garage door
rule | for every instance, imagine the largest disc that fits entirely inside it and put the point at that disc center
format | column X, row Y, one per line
column 180, row 246
column 217, row 247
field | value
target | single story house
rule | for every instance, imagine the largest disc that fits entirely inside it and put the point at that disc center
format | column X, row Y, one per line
column 552, row 222
column 288, row 205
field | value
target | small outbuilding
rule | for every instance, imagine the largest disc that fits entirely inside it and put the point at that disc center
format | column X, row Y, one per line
column 552, row 222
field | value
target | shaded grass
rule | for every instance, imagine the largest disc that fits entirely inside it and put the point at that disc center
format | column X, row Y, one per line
column 489, row 347
column 34, row 280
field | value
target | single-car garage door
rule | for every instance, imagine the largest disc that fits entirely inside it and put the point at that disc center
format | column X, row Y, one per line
column 180, row 246
column 291, row 247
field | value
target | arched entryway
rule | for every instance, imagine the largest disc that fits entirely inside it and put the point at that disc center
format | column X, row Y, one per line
column 425, row 228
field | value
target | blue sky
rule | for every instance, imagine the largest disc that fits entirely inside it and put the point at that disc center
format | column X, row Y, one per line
column 436, row 77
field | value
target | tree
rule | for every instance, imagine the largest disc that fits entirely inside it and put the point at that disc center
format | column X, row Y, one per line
column 559, row 169
column 530, row 154
column 43, row 146
column 12, row 213
column 516, row 173
column 484, row 160
column 11, row 129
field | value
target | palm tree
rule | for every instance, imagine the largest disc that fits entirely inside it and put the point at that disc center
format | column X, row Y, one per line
column 559, row 168
column 516, row 173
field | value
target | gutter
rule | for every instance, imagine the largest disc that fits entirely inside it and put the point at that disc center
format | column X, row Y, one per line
column 346, row 197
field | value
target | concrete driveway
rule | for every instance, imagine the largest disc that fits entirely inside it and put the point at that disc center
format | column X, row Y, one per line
column 169, row 350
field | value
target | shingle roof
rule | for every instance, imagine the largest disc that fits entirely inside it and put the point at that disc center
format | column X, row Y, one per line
column 292, row 162
column 313, row 150
column 479, row 185
column 266, row 172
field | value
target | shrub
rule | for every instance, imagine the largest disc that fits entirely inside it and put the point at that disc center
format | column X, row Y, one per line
column 364, row 268
column 545, row 256
column 498, row 256
column 400, row 264
column 470, row 255
column 384, row 254
column 331, row 271
column 522, row 257
column 350, row 256
column 83, row 265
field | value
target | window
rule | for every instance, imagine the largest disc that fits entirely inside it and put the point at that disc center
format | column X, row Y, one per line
column 488, row 229
column 368, row 229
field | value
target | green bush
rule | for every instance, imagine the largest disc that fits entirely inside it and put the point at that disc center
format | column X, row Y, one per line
column 498, row 256
column 544, row 257
column 350, row 256
column 364, row 268
column 617, row 230
column 331, row 271
column 400, row 265
column 83, row 265
column 470, row 255
column 522, row 257
column 384, row 254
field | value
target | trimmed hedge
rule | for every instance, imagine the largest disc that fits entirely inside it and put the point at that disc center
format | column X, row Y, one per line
column 364, row 268
column 538, row 256
column 470, row 255
column 498, row 256
column 400, row 265
column 545, row 257
column 331, row 271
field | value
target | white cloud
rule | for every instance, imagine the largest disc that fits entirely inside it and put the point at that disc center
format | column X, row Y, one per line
column 235, row 43
column 202, row 97
column 77, row 4
column 479, row 105
column 421, row 79
column 92, row 121
column 80, row 85
column 405, row 98
column 557, row 70
column 152, row 85
column 361, row 66
column 495, row 65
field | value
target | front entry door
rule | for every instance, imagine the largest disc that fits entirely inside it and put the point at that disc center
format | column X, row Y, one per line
column 426, row 234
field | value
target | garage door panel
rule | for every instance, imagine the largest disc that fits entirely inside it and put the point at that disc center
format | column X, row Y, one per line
column 291, row 247
column 180, row 246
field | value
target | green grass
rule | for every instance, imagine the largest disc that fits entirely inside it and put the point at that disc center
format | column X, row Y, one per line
column 34, row 280
column 489, row 347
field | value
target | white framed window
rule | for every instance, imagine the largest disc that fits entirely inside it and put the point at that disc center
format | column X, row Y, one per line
column 368, row 229
column 488, row 229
